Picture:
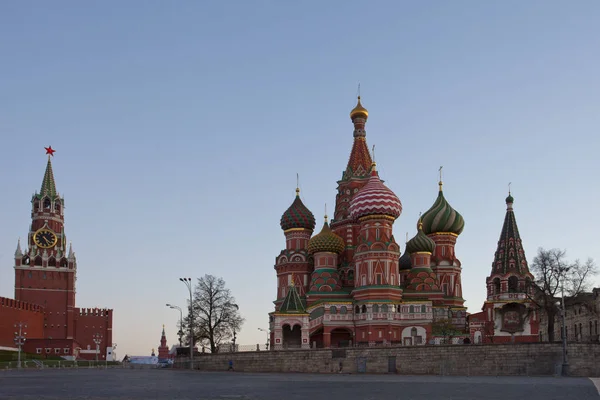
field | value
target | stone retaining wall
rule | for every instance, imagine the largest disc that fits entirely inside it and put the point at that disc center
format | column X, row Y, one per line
column 532, row 359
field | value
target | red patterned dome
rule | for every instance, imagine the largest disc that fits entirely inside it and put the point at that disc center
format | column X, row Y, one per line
column 297, row 216
column 375, row 199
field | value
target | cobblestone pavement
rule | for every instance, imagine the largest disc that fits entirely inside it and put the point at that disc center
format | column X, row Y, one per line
column 179, row 384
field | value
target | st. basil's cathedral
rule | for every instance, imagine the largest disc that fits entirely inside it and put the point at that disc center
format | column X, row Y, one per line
column 349, row 285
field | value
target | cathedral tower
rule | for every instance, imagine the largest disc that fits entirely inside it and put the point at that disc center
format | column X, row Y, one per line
column 443, row 224
column 354, row 177
column 510, row 313
column 293, row 265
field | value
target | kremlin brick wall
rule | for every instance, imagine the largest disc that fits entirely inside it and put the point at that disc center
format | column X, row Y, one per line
column 13, row 312
column 527, row 359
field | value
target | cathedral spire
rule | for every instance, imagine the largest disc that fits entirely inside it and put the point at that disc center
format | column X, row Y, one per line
column 48, row 184
column 359, row 164
column 510, row 256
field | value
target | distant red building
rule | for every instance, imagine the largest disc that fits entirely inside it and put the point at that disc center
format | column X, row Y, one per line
column 45, row 277
column 163, row 349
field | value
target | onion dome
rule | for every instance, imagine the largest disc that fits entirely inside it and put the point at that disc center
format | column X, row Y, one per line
column 359, row 111
column 404, row 262
column 326, row 240
column 297, row 216
column 510, row 199
column 420, row 243
column 375, row 199
column 441, row 217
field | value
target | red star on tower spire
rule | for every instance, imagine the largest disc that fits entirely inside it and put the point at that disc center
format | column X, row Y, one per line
column 50, row 150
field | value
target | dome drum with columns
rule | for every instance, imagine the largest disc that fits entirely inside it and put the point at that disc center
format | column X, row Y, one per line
column 354, row 283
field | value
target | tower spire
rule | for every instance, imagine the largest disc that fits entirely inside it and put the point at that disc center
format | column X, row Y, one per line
column 48, row 184
column 18, row 252
column 510, row 254
column 440, row 183
column 360, row 161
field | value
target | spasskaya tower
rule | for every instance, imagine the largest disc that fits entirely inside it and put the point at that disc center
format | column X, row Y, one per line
column 45, row 276
column 46, row 273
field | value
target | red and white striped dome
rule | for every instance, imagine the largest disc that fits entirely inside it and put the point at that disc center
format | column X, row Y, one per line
column 375, row 199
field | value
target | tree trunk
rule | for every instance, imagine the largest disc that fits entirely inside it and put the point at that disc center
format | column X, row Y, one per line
column 550, row 332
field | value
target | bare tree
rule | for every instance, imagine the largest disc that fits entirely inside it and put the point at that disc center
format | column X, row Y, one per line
column 216, row 315
column 554, row 275
column 445, row 328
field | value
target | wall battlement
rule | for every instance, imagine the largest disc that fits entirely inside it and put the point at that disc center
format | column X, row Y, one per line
column 20, row 305
column 94, row 312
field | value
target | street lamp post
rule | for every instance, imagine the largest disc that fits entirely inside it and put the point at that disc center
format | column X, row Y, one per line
column 233, row 341
column 188, row 284
column 180, row 333
column 20, row 340
column 565, row 365
column 267, row 332
column 97, row 339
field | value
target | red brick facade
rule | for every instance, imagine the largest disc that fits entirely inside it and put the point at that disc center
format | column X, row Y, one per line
column 13, row 312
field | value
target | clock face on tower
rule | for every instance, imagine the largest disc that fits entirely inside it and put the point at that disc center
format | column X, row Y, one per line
column 45, row 238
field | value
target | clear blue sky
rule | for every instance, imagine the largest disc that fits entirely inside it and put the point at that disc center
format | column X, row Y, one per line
column 180, row 127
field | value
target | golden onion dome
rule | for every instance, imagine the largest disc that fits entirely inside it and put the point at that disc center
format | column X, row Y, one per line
column 359, row 111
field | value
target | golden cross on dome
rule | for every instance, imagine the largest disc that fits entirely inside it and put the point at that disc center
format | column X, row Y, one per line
column 509, row 183
column 358, row 91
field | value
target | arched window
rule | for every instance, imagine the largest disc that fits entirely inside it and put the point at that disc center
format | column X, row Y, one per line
column 496, row 285
column 513, row 284
column 38, row 261
column 364, row 309
column 375, row 308
column 47, row 203
column 413, row 332
column 412, row 309
column 384, row 308
column 423, row 309
column 333, row 310
column 343, row 310
column 57, row 206
column 357, row 310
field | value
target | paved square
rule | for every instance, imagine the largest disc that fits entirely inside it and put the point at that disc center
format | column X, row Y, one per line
column 93, row 384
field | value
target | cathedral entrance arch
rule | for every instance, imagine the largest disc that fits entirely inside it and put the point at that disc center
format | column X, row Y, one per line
column 292, row 336
column 341, row 337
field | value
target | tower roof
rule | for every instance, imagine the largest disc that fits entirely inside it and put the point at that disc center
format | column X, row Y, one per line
column 292, row 303
column 375, row 199
column 359, row 111
column 297, row 216
column 510, row 256
column 421, row 242
column 441, row 217
column 48, row 184
column 326, row 240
